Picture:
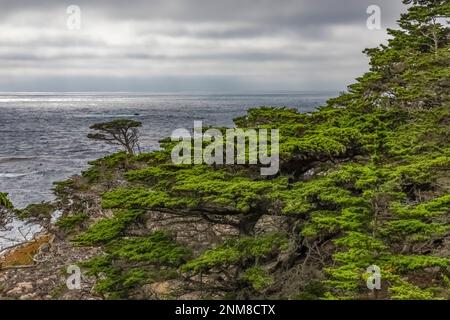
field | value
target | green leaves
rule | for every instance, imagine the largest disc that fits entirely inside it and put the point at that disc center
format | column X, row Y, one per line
column 4, row 201
column 408, row 291
column 236, row 251
column 122, row 132
column 413, row 230
column 116, row 125
column 107, row 229
column 134, row 261
column 363, row 179
column 415, row 262
column 257, row 277
column 334, row 190
column 157, row 248
column 68, row 223
column 191, row 187
column 433, row 208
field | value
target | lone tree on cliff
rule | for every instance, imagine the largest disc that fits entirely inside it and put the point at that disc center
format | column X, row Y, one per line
column 122, row 132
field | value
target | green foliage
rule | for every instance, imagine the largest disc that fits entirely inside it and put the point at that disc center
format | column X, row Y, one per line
column 108, row 229
column 122, row 132
column 42, row 210
column 191, row 187
column 116, row 124
column 408, row 291
column 69, row 223
column 325, row 142
column 313, row 290
column 413, row 230
column 150, row 174
column 329, row 192
column 331, row 222
column 234, row 251
column 422, row 171
column 4, row 201
column 359, row 251
column 98, row 265
column 104, row 169
column 257, row 277
column 363, row 181
column 133, row 261
column 345, row 280
column 436, row 207
column 62, row 189
column 414, row 262
column 114, row 282
column 157, row 248
column 269, row 116
column 111, row 161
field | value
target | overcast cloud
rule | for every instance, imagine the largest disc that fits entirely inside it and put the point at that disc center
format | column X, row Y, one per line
column 187, row 45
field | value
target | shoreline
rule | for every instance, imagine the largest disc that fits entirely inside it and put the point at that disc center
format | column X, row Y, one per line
column 22, row 255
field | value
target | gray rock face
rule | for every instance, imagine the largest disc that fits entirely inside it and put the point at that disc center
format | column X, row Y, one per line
column 268, row 224
column 196, row 233
column 46, row 279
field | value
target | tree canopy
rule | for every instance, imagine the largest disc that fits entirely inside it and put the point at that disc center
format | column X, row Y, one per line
column 120, row 132
column 364, row 180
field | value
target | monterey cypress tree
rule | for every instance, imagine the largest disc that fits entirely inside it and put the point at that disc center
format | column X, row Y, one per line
column 364, row 181
column 425, row 26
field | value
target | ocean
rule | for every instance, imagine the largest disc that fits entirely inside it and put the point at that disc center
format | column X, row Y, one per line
column 43, row 135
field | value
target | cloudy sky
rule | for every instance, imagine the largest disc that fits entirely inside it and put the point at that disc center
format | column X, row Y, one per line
column 187, row 45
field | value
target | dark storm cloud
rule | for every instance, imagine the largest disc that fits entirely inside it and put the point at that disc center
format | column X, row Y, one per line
column 238, row 40
column 277, row 13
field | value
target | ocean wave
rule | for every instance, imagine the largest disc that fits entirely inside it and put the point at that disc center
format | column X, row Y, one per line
column 15, row 175
column 123, row 115
column 14, row 159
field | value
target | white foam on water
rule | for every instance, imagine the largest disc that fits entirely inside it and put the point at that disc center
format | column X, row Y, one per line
column 17, row 232
column 16, row 175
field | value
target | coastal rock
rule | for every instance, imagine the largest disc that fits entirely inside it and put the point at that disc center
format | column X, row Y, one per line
column 21, row 288
column 44, row 279
column 196, row 295
column 196, row 233
column 161, row 290
column 29, row 296
column 268, row 224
